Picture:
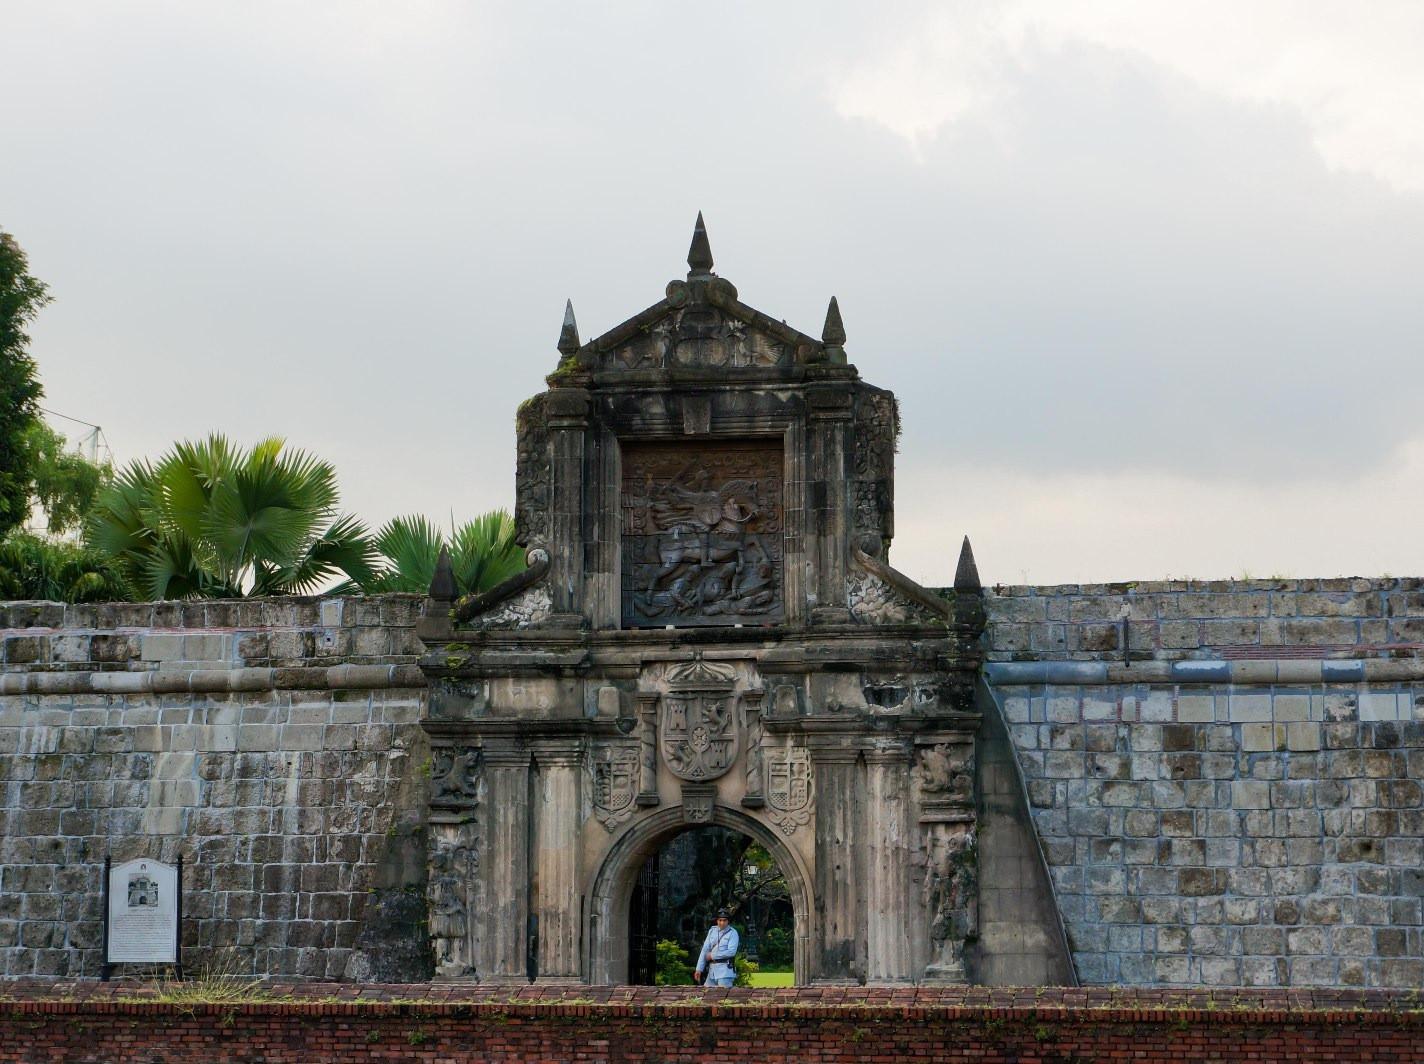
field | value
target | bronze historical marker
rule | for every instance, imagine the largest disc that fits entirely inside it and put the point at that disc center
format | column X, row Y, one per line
column 702, row 534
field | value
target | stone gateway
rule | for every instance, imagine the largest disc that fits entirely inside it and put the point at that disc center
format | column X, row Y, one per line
column 709, row 633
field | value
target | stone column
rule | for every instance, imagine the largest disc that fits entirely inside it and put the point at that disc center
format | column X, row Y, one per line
column 887, row 859
column 839, row 845
column 568, row 427
column 557, row 819
column 503, row 919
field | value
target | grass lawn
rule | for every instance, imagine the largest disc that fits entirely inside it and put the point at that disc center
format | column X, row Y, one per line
column 772, row 978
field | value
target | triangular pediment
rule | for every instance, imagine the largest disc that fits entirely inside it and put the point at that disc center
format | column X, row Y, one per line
column 700, row 324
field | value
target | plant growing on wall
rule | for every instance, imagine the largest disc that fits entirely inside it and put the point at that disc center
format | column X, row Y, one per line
column 482, row 554
column 210, row 520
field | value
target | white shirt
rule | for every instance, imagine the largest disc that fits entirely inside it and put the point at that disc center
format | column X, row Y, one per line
column 721, row 946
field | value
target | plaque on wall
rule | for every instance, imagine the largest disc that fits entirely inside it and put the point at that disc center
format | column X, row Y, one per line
column 143, row 913
column 702, row 533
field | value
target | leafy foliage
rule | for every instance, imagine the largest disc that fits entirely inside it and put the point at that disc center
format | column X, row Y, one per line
column 32, row 567
column 21, row 297
column 482, row 554
column 63, row 482
column 777, row 948
column 674, row 964
column 210, row 520
column 745, row 969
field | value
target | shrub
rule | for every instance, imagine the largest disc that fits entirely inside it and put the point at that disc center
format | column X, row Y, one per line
column 674, row 964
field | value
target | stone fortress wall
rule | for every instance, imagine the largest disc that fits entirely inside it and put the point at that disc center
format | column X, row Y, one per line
column 1236, row 802
column 275, row 742
column 1232, row 796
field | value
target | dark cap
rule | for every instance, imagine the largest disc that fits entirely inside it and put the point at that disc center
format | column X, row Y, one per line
column 723, row 914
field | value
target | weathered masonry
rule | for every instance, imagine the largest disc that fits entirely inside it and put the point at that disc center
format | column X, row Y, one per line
column 708, row 633
column 1171, row 783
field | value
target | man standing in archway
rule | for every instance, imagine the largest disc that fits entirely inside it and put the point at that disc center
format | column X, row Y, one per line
column 719, row 950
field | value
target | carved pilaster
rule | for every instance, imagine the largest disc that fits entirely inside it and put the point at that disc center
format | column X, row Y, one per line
column 556, row 855
column 754, row 798
column 839, row 873
column 568, row 427
column 647, row 750
column 501, row 954
column 889, row 849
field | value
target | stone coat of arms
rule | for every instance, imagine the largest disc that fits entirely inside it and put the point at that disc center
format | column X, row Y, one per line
column 615, row 783
column 698, row 730
column 790, row 788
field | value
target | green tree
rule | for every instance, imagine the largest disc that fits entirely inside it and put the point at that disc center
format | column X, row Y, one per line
column 64, row 483
column 32, row 567
column 210, row 520
column 21, row 297
column 482, row 554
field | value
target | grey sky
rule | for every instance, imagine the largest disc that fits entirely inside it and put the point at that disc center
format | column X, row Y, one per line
column 1145, row 277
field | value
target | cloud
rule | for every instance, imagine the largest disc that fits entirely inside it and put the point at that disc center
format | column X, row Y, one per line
column 1352, row 74
column 1077, row 250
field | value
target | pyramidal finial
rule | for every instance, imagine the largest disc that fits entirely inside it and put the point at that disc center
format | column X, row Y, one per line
column 833, row 332
column 568, row 335
column 442, row 584
column 966, row 574
column 699, row 255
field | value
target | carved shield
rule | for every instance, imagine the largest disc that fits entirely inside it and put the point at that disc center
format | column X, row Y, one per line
column 699, row 733
column 615, row 783
column 790, row 788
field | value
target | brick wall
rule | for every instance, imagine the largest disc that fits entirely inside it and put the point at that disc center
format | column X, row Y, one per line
column 273, row 743
column 1237, row 799
column 646, row 1024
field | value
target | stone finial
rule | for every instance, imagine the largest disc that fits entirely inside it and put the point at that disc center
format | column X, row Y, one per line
column 568, row 335
column 699, row 255
column 833, row 332
column 966, row 574
column 442, row 584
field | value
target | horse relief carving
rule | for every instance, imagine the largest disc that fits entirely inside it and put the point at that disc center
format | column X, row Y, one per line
column 701, row 534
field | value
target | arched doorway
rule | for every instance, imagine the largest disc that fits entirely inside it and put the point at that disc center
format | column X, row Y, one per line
column 684, row 884
column 612, row 893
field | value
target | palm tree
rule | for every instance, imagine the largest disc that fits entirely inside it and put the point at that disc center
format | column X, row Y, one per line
column 482, row 554
column 210, row 520
column 32, row 567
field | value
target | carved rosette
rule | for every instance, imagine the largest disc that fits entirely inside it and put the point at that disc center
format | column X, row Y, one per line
column 616, row 770
column 790, row 788
column 698, row 731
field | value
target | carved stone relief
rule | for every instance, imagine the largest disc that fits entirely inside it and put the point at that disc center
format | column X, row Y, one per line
column 702, row 534
column 454, row 778
column 945, row 773
column 525, row 609
column 790, row 788
column 531, row 505
column 453, row 867
column 698, row 730
column 951, row 898
column 616, row 771
column 699, row 335
column 872, row 601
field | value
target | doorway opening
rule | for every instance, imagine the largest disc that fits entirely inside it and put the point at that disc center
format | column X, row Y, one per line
column 679, row 889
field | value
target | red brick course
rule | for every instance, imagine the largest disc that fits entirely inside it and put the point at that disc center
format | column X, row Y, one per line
column 89, row 1022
